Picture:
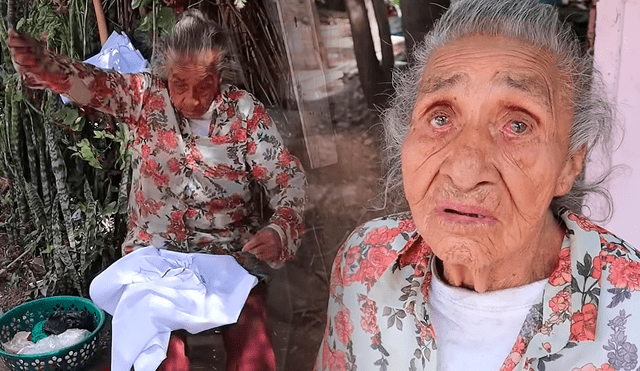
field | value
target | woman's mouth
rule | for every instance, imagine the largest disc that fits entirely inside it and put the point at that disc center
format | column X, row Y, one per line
column 464, row 214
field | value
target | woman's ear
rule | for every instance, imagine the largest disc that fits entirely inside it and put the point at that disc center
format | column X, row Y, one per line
column 572, row 168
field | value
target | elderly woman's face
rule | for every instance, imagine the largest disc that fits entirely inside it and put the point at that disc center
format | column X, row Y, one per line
column 193, row 83
column 487, row 150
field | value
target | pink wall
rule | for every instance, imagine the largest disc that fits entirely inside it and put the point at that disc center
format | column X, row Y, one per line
column 617, row 54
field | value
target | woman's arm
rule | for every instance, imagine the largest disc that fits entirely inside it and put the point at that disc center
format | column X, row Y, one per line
column 85, row 85
column 281, row 175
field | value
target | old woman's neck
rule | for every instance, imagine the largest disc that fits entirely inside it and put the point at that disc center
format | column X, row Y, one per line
column 530, row 264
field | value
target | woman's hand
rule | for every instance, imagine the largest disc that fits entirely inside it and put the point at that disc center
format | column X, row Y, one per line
column 265, row 245
column 26, row 52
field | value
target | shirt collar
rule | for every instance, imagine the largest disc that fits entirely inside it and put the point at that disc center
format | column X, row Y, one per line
column 548, row 331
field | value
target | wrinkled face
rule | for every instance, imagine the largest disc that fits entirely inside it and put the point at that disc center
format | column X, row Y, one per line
column 487, row 149
column 193, row 83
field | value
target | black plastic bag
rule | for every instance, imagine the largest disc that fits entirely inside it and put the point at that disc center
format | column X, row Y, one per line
column 60, row 321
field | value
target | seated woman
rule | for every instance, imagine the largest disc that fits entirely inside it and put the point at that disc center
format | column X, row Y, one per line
column 493, row 268
column 199, row 145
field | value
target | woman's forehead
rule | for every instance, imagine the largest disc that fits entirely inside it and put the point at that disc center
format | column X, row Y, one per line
column 497, row 61
column 193, row 63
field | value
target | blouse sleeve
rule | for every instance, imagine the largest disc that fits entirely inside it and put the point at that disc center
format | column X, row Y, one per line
column 88, row 86
column 282, row 177
column 336, row 347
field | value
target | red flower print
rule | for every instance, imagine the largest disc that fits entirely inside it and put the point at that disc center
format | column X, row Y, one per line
column 368, row 320
column 352, row 255
column 236, row 95
column 381, row 236
column 218, row 139
column 373, row 266
column 144, row 236
column 285, row 158
column 560, row 302
column 336, row 278
column 415, row 253
column 177, row 227
column 519, row 346
column 100, row 89
column 326, row 352
column 260, row 172
column 173, row 165
column 151, row 169
column 508, row 365
column 143, row 130
column 167, row 140
column 583, row 323
column 155, row 102
column 133, row 218
column 426, row 284
column 135, row 87
column 343, row 325
column 592, row 367
column 337, row 361
column 237, row 217
column 625, row 274
column 562, row 274
column 222, row 171
column 381, row 258
column 375, row 340
column 426, row 332
column 251, row 148
column 406, row 225
column 146, row 150
column 515, row 356
column 597, row 267
column 147, row 207
column 610, row 246
column 194, row 156
column 230, row 111
column 259, row 114
column 238, row 133
column 282, row 180
column 191, row 213
column 586, row 224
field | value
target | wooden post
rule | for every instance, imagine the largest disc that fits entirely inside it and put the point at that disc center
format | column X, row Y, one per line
column 102, row 23
column 298, row 23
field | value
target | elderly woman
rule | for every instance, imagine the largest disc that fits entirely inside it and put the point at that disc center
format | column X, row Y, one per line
column 199, row 146
column 493, row 268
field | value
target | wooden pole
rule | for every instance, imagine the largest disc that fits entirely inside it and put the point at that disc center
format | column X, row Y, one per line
column 102, row 23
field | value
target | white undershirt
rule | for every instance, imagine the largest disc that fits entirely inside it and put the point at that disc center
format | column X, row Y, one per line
column 200, row 126
column 476, row 331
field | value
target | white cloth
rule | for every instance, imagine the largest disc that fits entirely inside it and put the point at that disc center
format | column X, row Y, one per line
column 475, row 331
column 117, row 54
column 152, row 292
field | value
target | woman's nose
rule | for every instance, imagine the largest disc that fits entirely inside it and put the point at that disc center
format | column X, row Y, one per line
column 469, row 162
column 192, row 99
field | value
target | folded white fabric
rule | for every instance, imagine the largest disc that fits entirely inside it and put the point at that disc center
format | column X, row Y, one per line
column 117, row 54
column 152, row 292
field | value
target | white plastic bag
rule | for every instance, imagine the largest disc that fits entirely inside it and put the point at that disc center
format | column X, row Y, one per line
column 20, row 345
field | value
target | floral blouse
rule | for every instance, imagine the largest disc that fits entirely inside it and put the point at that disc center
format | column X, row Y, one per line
column 191, row 193
column 588, row 317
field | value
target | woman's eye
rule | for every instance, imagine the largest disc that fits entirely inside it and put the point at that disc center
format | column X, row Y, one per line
column 205, row 87
column 439, row 121
column 179, row 86
column 518, row 127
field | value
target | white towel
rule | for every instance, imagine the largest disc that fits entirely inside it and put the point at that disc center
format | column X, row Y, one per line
column 152, row 292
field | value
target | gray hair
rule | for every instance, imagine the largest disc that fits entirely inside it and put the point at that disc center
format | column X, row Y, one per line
column 195, row 34
column 534, row 23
